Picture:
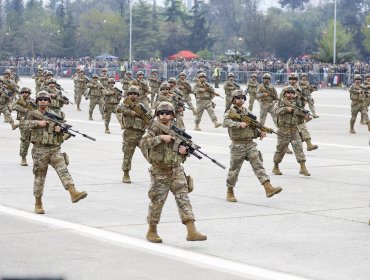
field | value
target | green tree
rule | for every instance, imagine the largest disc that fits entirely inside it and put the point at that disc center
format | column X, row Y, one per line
column 293, row 4
column 366, row 33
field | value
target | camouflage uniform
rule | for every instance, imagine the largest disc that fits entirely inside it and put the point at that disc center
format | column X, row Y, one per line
column 185, row 87
column 204, row 93
column 252, row 88
column 154, row 83
column 177, row 102
column 5, row 103
column 81, row 83
column 57, row 102
column 358, row 104
column 95, row 97
column 39, row 80
column 111, row 100
column 307, row 93
column 267, row 102
column 144, row 90
column 367, row 103
column 126, row 82
column 229, row 87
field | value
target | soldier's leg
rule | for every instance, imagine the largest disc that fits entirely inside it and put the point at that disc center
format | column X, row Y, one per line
column 271, row 110
column 8, row 117
column 311, row 105
column 306, row 137
column 24, row 145
column 299, row 154
column 57, row 161
column 255, row 159
column 237, row 157
column 365, row 117
column 252, row 98
column 212, row 115
column 282, row 144
column 107, row 116
column 129, row 143
column 187, row 99
column 101, row 107
column 180, row 121
column 354, row 111
column 200, row 110
column 263, row 113
column 92, row 104
column 78, row 98
column 40, row 157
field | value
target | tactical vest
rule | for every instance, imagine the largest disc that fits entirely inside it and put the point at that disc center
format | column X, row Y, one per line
column 154, row 82
column 104, row 80
column 252, row 87
column 270, row 90
column 304, row 86
column 130, row 122
column 141, row 85
column 125, row 83
column 238, row 133
column 288, row 119
column 111, row 96
column 356, row 93
column 96, row 90
column 203, row 91
column 184, row 86
column 46, row 136
column 55, row 104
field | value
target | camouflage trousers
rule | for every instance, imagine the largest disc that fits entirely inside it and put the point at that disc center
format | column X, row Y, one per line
column 252, row 98
column 154, row 92
column 267, row 108
column 131, row 138
column 238, row 154
column 25, row 140
column 78, row 95
column 359, row 107
column 7, row 115
column 289, row 135
column 204, row 105
column 228, row 102
column 145, row 100
column 109, row 109
column 303, row 131
column 43, row 156
column 180, row 121
column 95, row 100
column 187, row 100
column 163, row 181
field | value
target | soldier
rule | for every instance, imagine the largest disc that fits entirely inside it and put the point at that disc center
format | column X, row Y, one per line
column 95, row 95
column 24, row 129
column 358, row 105
column 166, row 175
column 74, row 77
column 367, row 103
column 154, row 83
column 81, row 86
column 303, row 131
column 230, row 86
column 5, row 101
column 13, row 74
column 143, row 87
column 48, row 75
column 47, row 150
column 204, row 94
column 288, row 120
column 126, row 81
column 134, row 129
column 307, row 93
column 104, row 77
column 57, row 102
column 184, row 86
column 177, row 100
column 9, row 84
column 39, row 79
column 252, row 87
column 267, row 96
column 243, row 148
column 111, row 100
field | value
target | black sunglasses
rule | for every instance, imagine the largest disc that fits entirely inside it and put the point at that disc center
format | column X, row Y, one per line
column 164, row 112
column 132, row 93
column 43, row 99
column 240, row 97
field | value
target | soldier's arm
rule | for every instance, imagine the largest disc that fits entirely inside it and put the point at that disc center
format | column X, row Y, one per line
column 281, row 110
column 228, row 122
column 149, row 140
column 108, row 92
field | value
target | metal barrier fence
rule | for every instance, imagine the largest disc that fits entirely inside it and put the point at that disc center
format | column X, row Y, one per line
column 322, row 79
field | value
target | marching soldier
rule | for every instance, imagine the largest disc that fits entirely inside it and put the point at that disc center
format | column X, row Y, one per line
column 367, row 104
column 288, row 120
column 81, row 85
column 134, row 129
column 104, row 77
column 307, row 93
column 252, row 88
column 185, row 87
column 46, row 150
column 74, row 77
column 243, row 148
column 5, row 100
column 167, row 174
column 39, row 80
column 204, row 93
column 154, row 83
column 230, row 86
column 13, row 74
column 56, row 102
column 267, row 96
column 143, row 87
column 177, row 100
column 111, row 100
column 358, row 104
column 126, row 82
column 95, row 95
column 48, row 75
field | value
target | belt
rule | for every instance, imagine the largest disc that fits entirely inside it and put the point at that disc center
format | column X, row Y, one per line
column 293, row 129
column 164, row 167
column 242, row 141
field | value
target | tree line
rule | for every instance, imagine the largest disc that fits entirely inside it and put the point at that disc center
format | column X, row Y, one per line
column 65, row 28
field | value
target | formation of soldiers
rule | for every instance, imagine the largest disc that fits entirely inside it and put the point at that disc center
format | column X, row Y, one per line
column 156, row 126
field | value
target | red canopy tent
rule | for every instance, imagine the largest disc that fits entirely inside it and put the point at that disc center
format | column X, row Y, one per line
column 184, row 54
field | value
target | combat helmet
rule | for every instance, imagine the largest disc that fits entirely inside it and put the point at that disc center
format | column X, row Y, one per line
column 367, row 75
column 164, row 85
column 182, row 74
column 172, row 80
column 239, row 92
column 129, row 73
column 42, row 93
column 154, row 70
column 51, row 81
column 25, row 89
column 357, row 77
column 49, row 73
column 202, row 74
column 266, row 76
column 231, row 75
column 254, row 75
column 111, row 81
column 133, row 89
column 139, row 73
column 293, row 76
column 304, row 75
column 104, row 70
column 7, row 71
column 95, row 76
column 288, row 89
column 165, row 106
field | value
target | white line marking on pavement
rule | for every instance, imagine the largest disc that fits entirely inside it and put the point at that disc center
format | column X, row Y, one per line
column 194, row 258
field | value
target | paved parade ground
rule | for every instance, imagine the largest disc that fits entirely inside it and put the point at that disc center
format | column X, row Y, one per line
column 316, row 228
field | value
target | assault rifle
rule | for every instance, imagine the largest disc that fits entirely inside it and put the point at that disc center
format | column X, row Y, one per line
column 4, row 92
column 61, row 97
column 296, row 109
column 184, row 139
column 118, row 91
column 251, row 120
column 139, row 110
column 365, row 90
column 100, row 86
column 52, row 118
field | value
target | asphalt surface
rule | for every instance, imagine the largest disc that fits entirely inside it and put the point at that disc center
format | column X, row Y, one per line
column 316, row 228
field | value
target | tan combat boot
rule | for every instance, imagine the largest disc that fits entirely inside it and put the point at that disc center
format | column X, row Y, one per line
column 152, row 234
column 352, row 130
column 14, row 126
column 90, row 118
column 310, row 146
column 194, row 111
column 126, row 177
column 24, row 161
column 78, row 108
column 276, row 169
column 197, row 127
column 362, row 121
column 271, row 190
column 107, row 130
column 368, row 126
column 38, row 206
column 193, row 234
column 230, row 195
column 217, row 124
column 288, row 151
column 303, row 169
column 75, row 195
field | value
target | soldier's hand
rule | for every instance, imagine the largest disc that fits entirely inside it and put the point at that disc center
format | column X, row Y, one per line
column 43, row 123
column 57, row 128
column 265, row 94
column 307, row 118
column 243, row 125
column 166, row 138
column 262, row 134
column 289, row 109
column 133, row 113
column 183, row 150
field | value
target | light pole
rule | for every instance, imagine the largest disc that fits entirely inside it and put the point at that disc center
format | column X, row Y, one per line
column 335, row 31
column 130, row 44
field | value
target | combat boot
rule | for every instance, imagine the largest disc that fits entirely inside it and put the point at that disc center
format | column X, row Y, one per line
column 352, row 130
column 276, row 169
column 303, row 169
column 310, row 146
column 75, row 195
column 78, row 108
column 271, row 190
column 193, row 234
column 217, row 124
column 288, row 151
column 194, row 111
column 362, row 122
column 152, row 234
column 38, row 206
column 368, row 126
column 197, row 127
column 126, row 177
column 24, row 161
column 230, row 195
column 14, row 126
column 316, row 116
column 107, row 130
column 90, row 117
